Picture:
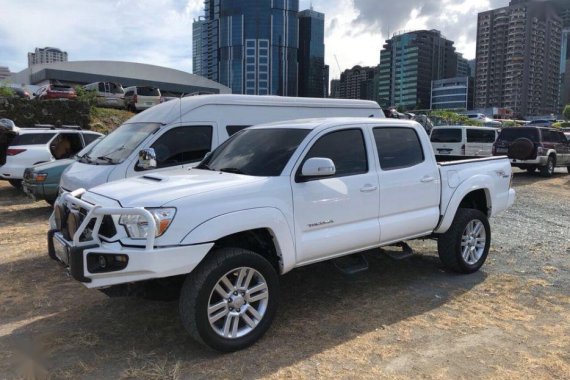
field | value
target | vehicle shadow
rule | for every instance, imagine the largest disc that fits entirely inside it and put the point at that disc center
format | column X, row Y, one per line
column 10, row 196
column 30, row 215
column 319, row 310
column 523, row 178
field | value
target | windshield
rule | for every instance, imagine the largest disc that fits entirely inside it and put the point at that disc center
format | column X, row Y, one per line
column 446, row 135
column 511, row 134
column 256, row 152
column 119, row 144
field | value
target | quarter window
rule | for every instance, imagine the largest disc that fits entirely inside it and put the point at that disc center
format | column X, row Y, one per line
column 183, row 145
column 398, row 148
column 345, row 148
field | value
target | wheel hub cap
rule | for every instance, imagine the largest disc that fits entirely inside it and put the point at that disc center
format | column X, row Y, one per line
column 473, row 242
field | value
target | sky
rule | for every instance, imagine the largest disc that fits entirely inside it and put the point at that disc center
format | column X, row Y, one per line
column 159, row 32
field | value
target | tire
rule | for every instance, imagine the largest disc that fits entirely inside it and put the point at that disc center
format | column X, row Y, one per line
column 568, row 168
column 198, row 294
column 547, row 170
column 531, row 169
column 450, row 245
column 521, row 149
column 17, row 183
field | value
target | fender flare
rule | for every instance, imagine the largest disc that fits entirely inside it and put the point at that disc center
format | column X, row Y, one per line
column 479, row 182
column 231, row 223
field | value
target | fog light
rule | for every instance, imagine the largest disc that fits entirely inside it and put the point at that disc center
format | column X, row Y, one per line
column 58, row 214
column 72, row 225
column 102, row 262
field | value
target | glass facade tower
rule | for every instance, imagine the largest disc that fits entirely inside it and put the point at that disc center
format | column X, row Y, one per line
column 312, row 73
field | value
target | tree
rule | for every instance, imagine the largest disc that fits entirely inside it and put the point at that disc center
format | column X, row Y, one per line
column 567, row 112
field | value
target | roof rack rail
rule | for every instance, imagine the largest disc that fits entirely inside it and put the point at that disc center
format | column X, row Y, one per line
column 51, row 126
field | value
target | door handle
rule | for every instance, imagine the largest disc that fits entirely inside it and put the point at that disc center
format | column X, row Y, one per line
column 427, row 179
column 369, row 189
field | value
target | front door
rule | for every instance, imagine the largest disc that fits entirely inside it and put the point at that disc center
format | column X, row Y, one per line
column 337, row 214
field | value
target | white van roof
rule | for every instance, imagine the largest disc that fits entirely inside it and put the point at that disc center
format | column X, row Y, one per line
column 172, row 110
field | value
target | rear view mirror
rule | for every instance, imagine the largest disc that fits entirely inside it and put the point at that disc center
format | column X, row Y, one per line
column 147, row 159
column 318, row 167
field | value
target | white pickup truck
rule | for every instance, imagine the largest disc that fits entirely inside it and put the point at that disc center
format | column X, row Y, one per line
column 272, row 198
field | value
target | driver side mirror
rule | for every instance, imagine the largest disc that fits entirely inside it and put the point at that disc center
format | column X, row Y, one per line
column 318, row 167
column 147, row 159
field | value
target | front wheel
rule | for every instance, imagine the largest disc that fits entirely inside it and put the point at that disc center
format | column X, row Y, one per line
column 229, row 301
column 548, row 170
column 465, row 246
column 17, row 183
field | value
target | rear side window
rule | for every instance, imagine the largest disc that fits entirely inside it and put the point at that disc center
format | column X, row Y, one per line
column 183, row 145
column 446, row 135
column 550, row 136
column 347, row 150
column 480, row 136
column 511, row 134
column 32, row 139
column 89, row 138
column 147, row 91
column 233, row 129
column 398, row 148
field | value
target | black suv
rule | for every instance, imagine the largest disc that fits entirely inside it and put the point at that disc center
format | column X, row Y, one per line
column 533, row 148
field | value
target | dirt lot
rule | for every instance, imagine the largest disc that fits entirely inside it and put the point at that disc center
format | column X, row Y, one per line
column 400, row 319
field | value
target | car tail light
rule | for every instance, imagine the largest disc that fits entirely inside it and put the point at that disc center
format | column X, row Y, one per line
column 539, row 151
column 14, row 152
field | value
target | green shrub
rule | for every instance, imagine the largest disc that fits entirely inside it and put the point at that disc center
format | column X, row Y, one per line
column 567, row 112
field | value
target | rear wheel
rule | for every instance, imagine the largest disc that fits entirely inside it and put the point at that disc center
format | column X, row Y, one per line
column 548, row 169
column 17, row 183
column 465, row 246
column 230, row 300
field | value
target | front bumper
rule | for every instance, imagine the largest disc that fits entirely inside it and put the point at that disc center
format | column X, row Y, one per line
column 538, row 161
column 38, row 191
column 83, row 258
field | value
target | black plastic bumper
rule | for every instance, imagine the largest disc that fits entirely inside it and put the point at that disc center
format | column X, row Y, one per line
column 75, row 255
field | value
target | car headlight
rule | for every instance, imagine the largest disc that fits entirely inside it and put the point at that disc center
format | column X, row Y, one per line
column 137, row 226
column 39, row 177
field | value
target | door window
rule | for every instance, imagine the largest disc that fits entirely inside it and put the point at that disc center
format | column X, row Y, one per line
column 66, row 145
column 398, row 148
column 233, row 129
column 480, row 136
column 183, row 145
column 89, row 138
column 345, row 148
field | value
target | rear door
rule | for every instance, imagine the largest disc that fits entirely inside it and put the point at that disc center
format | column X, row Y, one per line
column 448, row 141
column 409, row 184
column 479, row 141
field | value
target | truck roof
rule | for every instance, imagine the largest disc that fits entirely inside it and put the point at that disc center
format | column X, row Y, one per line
column 172, row 110
column 323, row 123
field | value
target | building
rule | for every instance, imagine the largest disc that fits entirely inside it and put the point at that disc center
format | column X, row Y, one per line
column 564, row 70
column 46, row 55
column 518, row 58
column 452, row 94
column 126, row 73
column 408, row 64
column 198, row 32
column 251, row 46
column 463, row 68
column 335, row 87
column 355, row 83
column 4, row 72
column 313, row 77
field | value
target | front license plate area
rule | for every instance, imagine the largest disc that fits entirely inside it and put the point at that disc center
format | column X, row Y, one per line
column 61, row 251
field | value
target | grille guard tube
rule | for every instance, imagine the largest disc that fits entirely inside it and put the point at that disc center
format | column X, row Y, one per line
column 98, row 212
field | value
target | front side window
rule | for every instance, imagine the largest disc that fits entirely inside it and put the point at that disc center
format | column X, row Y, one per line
column 398, row 148
column 183, row 145
column 345, row 148
column 66, row 145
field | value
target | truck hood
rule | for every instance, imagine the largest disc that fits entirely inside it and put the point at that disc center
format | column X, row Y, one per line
column 53, row 165
column 158, row 189
column 84, row 176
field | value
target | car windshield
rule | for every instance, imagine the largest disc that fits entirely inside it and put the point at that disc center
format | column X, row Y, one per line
column 446, row 135
column 32, row 139
column 256, row 152
column 119, row 144
column 511, row 134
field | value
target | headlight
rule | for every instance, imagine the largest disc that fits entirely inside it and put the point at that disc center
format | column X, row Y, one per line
column 39, row 177
column 137, row 226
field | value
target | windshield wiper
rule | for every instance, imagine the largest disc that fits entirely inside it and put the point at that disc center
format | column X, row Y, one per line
column 204, row 166
column 232, row 170
column 105, row 158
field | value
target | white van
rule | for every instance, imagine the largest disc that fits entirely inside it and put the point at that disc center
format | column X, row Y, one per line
column 463, row 140
column 139, row 98
column 109, row 94
column 179, row 133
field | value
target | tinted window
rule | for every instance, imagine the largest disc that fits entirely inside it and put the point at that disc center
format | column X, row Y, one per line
column 32, row 139
column 89, row 138
column 347, row 150
column 480, row 136
column 183, row 145
column 101, row 87
column 115, row 88
column 147, row 91
column 398, row 148
column 256, row 152
column 550, row 136
column 233, row 129
column 511, row 134
column 61, row 88
column 130, row 93
column 446, row 135
column 65, row 145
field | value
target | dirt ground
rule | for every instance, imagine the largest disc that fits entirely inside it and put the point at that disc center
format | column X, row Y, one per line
column 400, row 319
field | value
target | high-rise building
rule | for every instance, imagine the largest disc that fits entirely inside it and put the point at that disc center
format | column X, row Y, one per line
column 4, row 72
column 312, row 81
column 335, row 87
column 46, row 55
column 472, row 64
column 408, row 64
column 198, row 34
column 326, row 75
column 463, row 68
column 452, row 94
column 518, row 58
column 356, row 83
column 564, row 96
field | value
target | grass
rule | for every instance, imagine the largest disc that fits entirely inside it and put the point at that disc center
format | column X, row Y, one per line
column 105, row 120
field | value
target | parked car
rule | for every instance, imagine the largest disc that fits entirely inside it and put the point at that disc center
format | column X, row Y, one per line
column 140, row 98
column 463, row 140
column 541, row 123
column 36, row 145
column 109, row 94
column 273, row 198
column 487, row 121
column 41, row 181
column 180, row 132
column 533, row 148
column 55, row 92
